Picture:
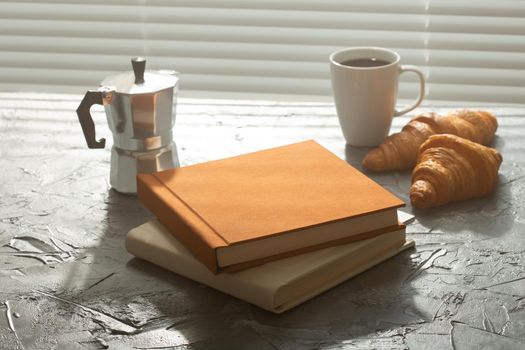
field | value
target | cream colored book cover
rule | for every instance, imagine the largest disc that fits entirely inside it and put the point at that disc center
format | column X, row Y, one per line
column 276, row 286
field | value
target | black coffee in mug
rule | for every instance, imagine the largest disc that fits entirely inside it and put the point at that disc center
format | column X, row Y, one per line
column 365, row 62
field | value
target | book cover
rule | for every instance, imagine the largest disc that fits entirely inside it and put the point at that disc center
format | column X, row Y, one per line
column 240, row 211
column 278, row 285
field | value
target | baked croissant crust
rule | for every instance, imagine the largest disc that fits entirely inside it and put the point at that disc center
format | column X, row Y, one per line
column 399, row 151
column 451, row 168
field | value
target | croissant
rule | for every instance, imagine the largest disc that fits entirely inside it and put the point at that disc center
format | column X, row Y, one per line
column 399, row 151
column 451, row 168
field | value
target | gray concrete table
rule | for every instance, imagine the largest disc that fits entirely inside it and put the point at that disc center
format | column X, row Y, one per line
column 66, row 281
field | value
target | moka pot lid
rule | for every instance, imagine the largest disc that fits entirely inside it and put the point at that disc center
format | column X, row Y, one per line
column 140, row 81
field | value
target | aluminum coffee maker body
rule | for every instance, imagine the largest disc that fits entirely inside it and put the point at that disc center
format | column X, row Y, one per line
column 139, row 108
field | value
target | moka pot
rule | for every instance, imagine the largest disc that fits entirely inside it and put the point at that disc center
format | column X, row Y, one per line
column 139, row 107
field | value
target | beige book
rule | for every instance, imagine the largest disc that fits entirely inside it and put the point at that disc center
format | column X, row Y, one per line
column 278, row 285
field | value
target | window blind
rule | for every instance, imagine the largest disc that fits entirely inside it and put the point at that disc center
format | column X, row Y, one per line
column 469, row 51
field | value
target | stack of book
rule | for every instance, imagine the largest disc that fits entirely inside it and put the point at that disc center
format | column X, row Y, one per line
column 274, row 228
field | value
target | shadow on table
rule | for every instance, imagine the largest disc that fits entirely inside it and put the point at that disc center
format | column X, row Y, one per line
column 96, row 277
column 374, row 301
column 354, row 155
column 491, row 216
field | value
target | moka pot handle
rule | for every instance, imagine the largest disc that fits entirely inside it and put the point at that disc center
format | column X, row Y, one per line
column 102, row 96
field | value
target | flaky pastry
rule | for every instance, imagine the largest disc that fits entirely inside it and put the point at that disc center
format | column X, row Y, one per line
column 450, row 168
column 399, row 151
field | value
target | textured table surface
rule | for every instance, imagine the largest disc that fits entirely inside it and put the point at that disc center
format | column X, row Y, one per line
column 66, row 281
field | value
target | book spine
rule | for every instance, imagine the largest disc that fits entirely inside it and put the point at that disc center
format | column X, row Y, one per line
column 186, row 227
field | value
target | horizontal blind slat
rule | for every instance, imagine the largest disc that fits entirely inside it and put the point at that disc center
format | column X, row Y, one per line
column 484, row 77
column 476, row 24
column 399, row 6
column 476, row 42
column 166, row 48
column 487, row 8
column 480, row 93
column 210, row 33
column 187, row 65
column 139, row 16
column 478, row 59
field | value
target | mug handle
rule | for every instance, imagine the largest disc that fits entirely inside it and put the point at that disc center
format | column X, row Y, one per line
column 411, row 68
column 102, row 96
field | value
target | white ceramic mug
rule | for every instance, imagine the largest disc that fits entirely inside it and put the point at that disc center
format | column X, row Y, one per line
column 365, row 97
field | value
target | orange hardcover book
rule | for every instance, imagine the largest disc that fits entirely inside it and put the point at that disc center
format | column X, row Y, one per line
column 250, row 209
